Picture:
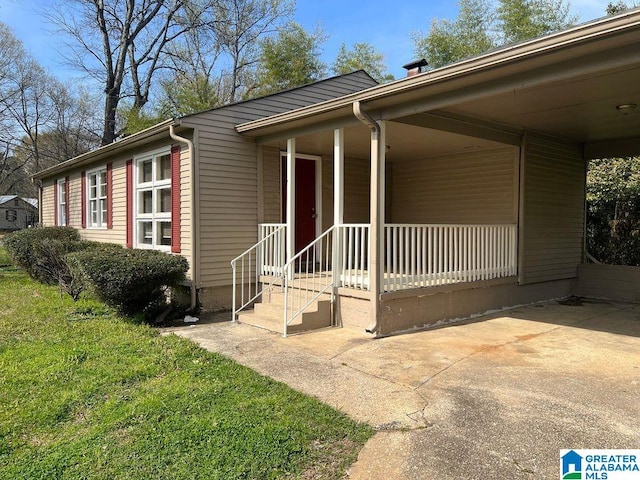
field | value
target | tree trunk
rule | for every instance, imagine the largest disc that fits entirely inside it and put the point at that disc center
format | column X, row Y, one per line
column 110, row 106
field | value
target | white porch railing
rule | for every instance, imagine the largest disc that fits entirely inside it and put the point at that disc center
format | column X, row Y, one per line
column 264, row 258
column 307, row 276
column 415, row 256
column 273, row 249
column 428, row 255
column 353, row 256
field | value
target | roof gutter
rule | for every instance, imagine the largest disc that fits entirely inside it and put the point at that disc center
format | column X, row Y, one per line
column 95, row 155
column 195, row 272
column 376, row 212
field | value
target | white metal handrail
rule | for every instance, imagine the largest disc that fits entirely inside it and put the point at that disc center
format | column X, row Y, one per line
column 252, row 266
column 307, row 275
column 428, row 255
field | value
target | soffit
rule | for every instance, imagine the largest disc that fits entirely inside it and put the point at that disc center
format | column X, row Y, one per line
column 404, row 142
column 582, row 109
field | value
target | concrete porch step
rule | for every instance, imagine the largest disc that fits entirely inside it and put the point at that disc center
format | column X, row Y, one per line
column 269, row 316
column 276, row 297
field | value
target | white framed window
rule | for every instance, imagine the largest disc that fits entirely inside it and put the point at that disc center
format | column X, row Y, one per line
column 97, row 198
column 152, row 179
column 61, row 207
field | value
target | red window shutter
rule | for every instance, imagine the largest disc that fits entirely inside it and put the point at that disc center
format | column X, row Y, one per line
column 129, row 193
column 55, row 203
column 83, row 199
column 66, row 202
column 175, row 199
column 109, row 195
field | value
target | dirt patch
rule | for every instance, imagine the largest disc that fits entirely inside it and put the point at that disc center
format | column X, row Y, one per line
column 344, row 449
column 571, row 301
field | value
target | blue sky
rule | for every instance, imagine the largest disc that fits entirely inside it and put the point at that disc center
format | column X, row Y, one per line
column 385, row 24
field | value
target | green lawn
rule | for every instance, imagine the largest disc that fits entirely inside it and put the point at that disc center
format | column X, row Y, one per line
column 86, row 394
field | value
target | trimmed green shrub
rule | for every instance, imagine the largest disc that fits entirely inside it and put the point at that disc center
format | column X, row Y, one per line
column 51, row 262
column 21, row 246
column 51, row 267
column 132, row 281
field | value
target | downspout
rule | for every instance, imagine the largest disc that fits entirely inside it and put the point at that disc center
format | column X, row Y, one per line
column 374, row 213
column 194, row 217
column 39, row 187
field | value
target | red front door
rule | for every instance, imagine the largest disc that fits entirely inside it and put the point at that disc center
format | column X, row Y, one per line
column 305, row 200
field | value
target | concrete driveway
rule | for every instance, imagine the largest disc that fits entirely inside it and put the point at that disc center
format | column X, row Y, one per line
column 493, row 398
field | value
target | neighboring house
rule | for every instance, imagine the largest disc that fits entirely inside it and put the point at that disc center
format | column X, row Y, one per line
column 17, row 213
column 140, row 191
column 435, row 197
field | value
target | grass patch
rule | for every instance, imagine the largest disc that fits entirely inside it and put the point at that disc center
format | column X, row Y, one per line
column 87, row 394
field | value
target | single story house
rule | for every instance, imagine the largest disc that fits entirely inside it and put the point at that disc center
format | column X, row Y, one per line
column 439, row 196
column 17, row 213
column 145, row 190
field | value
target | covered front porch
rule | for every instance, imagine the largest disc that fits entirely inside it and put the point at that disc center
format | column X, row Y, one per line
column 456, row 229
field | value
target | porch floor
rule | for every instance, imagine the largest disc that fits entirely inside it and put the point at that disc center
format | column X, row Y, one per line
column 320, row 280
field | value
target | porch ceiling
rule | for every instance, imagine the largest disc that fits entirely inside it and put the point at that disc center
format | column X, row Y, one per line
column 404, row 142
column 581, row 108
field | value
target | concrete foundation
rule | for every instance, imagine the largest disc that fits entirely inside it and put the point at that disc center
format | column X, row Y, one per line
column 419, row 308
column 352, row 309
column 425, row 307
column 614, row 282
column 216, row 298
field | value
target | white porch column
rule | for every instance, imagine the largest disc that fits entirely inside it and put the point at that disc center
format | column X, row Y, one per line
column 338, row 202
column 376, row 234
column 338, row 176
column 291, row 198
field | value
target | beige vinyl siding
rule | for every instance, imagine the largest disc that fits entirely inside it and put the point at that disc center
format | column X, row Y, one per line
column 357, row 188
column 553, row 210
column 186, row 223
column 470, row 188
column 228, row 194
column 118, row 233
column 271, row 184
column 228, row 173
column 47, row 208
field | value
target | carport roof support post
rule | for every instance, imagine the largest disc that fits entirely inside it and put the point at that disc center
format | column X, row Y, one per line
column 376, row 215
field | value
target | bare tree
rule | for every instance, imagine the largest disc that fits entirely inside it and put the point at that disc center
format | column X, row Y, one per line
column 42, row 123
column 240, row 24
column 216, row 64
column 123, row 44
